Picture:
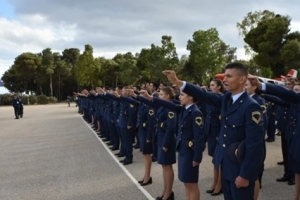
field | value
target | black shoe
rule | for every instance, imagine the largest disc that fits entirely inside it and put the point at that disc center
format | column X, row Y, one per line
column 121, row 155
column 210, row 191
column 171, row 197
column 127, row 162
column 154, row 159
column 114, row 148
column 280, row 163
column 101, row 136
column 109, row 143
column 159, row 198
column 105, row 140
column 291, row 182
column 270, row 140
column 282, row 179
column 136, row 146
column 148, row 182
column 141, row 181
column 216, row 193
column 123, row 161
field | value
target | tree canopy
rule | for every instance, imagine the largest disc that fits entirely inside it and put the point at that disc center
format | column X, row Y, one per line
column 268, row 38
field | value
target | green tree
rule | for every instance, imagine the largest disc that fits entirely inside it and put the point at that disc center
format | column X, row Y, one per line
column 48, row 65
column 208, row 54
column 249, row 22
column 274, row 45
column 88, row 69
column 71, row 56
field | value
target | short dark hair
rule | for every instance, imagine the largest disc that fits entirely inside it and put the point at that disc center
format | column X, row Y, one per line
column 154, row 84
column 238, row 66
column 119, row 87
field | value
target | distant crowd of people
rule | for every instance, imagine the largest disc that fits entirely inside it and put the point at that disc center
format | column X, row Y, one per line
column 232, row 118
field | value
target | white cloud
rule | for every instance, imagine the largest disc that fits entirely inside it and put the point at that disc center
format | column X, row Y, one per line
column 113, row 26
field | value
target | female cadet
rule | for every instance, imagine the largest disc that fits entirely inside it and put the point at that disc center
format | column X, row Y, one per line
column 212, row 127
column 166, row 129
column 145, row 125
column 250, row 89
column 189, row 143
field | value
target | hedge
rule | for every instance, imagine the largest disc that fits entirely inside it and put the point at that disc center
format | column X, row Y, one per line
column 6, row 99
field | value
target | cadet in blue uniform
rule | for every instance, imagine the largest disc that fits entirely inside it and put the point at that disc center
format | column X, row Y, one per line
column 250, row 89
column 190, row 142
column 166, row 121
column 212, row 128
column 241, row 120
column 145, row 124
column 21, row 109
column 294, row 98
column 15, row 104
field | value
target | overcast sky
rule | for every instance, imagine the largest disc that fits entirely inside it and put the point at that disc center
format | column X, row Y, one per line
column 113, row 26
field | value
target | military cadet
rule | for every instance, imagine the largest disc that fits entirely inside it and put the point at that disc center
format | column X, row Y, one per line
column 250, row 89
column 127, row 122
column 212, row 128
column 21, row 108
column 153, row 88
column 294, row 98
column 146, row 128
column 271, row 110
column 241, row 122
column 166, row 121
column 15, row 104
column 189, row 143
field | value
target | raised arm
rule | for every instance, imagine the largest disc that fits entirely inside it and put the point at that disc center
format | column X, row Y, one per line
column 167, row 104
column 276, row 90
column 276, row 100
column 194, row 91
column 130, row 100
column 201, row 94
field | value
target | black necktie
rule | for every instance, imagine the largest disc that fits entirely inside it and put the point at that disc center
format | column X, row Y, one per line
column 230, row 102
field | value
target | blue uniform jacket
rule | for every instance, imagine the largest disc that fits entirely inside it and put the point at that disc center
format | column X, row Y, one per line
column 190, row 129
column 242, row 121
column 294, row 98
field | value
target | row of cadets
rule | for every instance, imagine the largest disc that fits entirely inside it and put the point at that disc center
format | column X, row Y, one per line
column 282, row 122
column 190, row 142
column 241, row 122
column 126, row 124
column 294, row 139
column 145, row 131
column 166, row 124
column 212, row 127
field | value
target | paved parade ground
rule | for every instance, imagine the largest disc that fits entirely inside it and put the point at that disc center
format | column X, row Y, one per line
column 53, row 154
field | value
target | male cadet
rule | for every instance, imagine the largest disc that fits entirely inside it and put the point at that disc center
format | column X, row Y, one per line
column 15, row 104
column 241, row 120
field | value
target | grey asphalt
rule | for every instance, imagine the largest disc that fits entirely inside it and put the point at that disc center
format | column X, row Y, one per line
column 52, row 153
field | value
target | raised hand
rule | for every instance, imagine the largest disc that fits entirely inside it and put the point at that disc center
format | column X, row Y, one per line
column 254, row 81
column 171, row 75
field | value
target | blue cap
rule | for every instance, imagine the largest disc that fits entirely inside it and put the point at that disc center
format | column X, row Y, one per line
column 236, row 152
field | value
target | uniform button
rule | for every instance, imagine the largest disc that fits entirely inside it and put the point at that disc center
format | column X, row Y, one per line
column 284, row 117
column 224, row 135
column 227, row 118
column 225, row 126
column 233, row 126
column 224, row 145
column 181, row 125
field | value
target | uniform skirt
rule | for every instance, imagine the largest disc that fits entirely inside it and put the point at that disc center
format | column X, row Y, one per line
column 145, row 148
column 166, row 158
column 186, row 172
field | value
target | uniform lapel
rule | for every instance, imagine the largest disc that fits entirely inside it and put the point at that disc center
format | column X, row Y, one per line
column 236, row 104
